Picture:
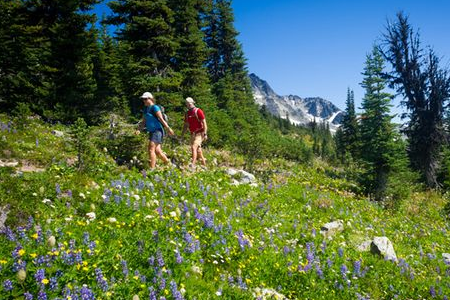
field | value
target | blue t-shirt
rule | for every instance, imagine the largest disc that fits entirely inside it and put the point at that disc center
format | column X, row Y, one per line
column 151, row 121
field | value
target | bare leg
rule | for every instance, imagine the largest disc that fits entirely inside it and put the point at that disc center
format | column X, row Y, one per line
column 161, row 154
column 200, row 156
column 194, row 149
column 152, row 154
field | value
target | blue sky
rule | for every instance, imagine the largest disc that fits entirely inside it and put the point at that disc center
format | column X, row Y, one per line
column 318, row 47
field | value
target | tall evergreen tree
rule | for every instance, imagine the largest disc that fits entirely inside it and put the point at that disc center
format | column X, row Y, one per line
column 226, row 63
column 425, row 88
column 349, row 135
column 376, row 128
column 67, row 49
column 23, row 54
column 107, row 68
column 191, row 55
column 147, row 34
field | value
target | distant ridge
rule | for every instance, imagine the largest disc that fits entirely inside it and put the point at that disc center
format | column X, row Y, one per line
column 298, row 110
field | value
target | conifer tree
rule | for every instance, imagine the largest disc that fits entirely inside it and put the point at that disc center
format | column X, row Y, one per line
column 107, row 68
column 147, row 36
column 425, row 88
column 67, row 49
column 349, row 136
column 191, row 55
column 376, row 129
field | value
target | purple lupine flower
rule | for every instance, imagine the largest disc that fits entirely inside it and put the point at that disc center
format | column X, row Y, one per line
column 151, row 261
column 241, row 283
column 152, row 293
column 19, row 265
column 102, row 283
column 28, row 296
column 42, row 295
column 341, row 252
column 53, row 286
column 125, row 271
column 39, row 276
column 7, row 285
column 86, row 238
column 344, row 271
column 159, row 259
column 310, row 252
column 357, row 268
column 432, row 291
column 175, row 292
column 57, row 189
column 86, row 293
column 162, row 283
column 319, row 271
column 178, row 257
column 286, row 250
column 9, row 234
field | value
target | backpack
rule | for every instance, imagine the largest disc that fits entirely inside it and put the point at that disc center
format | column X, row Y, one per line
column 163, row 113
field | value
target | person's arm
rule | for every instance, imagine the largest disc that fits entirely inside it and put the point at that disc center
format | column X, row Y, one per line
column 164, row 123
column 141, row 126
column 185, row 128
column 205, row 129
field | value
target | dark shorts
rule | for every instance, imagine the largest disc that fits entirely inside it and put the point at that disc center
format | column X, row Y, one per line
column 156, row 137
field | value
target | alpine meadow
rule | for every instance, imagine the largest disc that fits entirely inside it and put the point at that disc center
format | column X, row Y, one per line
column 279, row 210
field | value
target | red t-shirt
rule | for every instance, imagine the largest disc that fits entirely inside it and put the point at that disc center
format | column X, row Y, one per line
column 195, row 124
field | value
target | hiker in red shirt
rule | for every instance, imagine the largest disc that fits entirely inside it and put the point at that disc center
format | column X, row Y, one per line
column 195, row 120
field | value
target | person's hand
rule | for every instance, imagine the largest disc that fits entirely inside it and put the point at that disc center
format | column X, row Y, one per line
column 170, row 131
column 205, row 136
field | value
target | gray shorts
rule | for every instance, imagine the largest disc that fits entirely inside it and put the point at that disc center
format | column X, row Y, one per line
column 156, row 137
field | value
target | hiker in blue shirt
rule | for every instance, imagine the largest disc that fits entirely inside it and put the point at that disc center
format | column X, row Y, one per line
column 154, row 124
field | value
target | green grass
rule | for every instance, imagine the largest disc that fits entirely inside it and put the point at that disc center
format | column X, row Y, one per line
column 213, row 239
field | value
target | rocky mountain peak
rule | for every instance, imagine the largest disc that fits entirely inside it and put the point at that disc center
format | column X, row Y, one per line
column 298, row 110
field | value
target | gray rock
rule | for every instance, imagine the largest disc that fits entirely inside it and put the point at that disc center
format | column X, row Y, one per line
column 330, row 229
column 240, row 176
column 383, row 246
column 3, row 215
column 57, row 133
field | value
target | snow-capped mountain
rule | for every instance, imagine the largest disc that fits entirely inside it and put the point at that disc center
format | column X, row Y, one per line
column 298, row 110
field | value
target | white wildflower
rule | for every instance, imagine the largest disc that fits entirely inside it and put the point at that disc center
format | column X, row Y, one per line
column 112, row 220
column 91, row 216
column 82, row 195
column 46, row 201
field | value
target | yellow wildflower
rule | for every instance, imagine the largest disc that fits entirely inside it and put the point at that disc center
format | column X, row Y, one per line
column 21, row 252
column 2, row 262
column 45, row 281
column 35, row 236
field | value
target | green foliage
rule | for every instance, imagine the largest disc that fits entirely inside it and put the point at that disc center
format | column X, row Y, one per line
column 210, row 237
column 377, row 135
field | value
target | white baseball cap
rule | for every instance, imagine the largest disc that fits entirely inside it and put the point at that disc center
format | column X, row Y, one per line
column 190, row 100
column 147, row 95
